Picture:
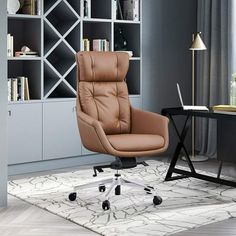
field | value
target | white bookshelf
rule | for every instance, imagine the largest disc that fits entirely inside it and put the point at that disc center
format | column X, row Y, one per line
column 57, row 35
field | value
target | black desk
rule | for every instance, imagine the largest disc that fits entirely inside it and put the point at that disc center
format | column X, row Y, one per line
column 224, row 152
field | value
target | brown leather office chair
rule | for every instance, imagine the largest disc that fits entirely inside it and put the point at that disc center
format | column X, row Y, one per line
column 109, row 124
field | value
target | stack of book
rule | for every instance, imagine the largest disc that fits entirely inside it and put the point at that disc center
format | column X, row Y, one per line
column 26, row 54
column 126, row 10
column 18, row 89
column 225, row 109
column 10, row 45
column 101, row 45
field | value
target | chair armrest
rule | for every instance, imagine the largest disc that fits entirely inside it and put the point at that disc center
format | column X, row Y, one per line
column 91, row 133
column 144, row 122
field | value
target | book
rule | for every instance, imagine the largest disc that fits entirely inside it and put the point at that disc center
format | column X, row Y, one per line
column 26, row 89
column 87, row 8
column 21, row 88
column 12, row 45
column 14, row 91
column 114, row 9
column 131, row 10
column 228, row 108
column 26, row 54
column 101, row 45
column 38, row 7
column 9, row 89
column 85, row 45
column 225, row 112
column 119, row 11
column 29, row 7
column 9, row 49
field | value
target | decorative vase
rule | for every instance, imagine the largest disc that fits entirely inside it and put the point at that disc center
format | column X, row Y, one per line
column 120, row 41
column 13, row 6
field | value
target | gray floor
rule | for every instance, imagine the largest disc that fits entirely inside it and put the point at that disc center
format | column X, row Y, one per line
column 21, row 218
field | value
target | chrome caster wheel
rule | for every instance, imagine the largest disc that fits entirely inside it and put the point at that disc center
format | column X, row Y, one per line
column 72, row 196
column 106, row 205
column 102, row 188
column 157, row 200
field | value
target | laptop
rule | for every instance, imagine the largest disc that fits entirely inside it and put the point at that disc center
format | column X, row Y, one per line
column 199, row 108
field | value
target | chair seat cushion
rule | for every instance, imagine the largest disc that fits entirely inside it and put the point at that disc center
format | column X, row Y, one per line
column 135, row 142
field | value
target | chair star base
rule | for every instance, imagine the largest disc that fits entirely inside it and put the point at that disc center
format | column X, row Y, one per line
column 115, row 184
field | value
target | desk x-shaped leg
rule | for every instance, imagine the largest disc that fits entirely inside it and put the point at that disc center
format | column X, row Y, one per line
column 192, row 173
column 180, row 146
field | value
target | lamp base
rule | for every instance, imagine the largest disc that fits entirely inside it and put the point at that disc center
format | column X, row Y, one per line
column 196, row 158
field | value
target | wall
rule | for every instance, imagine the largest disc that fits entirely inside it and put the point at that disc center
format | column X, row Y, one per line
column 167, row 31
column 3, row 105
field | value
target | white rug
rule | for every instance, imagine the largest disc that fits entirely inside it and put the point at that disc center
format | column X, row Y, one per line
column 187, row 203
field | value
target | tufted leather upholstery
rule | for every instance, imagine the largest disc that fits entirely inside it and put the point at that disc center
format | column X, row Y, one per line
column 102, row 91
column 107, row 122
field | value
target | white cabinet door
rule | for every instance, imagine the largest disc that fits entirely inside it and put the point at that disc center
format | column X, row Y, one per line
column 85, row 151
column 60, row 132
column 24, row 133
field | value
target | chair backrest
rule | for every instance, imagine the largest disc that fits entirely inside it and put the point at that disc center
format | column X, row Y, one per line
column 102, row 92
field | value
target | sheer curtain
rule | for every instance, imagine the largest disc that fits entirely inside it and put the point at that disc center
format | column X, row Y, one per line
column 214, row 66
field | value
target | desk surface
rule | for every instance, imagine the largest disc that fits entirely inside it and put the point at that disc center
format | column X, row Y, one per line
column 208, row 114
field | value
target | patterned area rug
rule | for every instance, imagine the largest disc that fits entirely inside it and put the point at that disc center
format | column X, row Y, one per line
column 187, row 203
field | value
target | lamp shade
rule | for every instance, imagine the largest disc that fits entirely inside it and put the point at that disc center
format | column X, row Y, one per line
column 198, row 43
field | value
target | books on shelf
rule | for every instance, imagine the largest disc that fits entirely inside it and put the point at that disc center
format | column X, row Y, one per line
column 87, row 8
column 18, row 89
column 101, row 45
column 225, row 109
column 30, row 7
column 10, row 45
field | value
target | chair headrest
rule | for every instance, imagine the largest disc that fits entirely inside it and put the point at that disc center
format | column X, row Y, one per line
column 102, row 66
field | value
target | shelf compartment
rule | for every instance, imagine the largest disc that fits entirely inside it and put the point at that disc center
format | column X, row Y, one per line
column 48, row 4
column 50, row 38
column 73, row 38
column 26, row 33
column 71, row 78
column 50, row 79
column 62, row 18
column 101, row 9
column 62, row 91
column 29, row 69
column 133, row 78
column 97, row 30
column 75, row 5
column 131, row 33
column 61, row 58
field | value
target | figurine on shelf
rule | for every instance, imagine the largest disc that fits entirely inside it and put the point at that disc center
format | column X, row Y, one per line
column 26, row 52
